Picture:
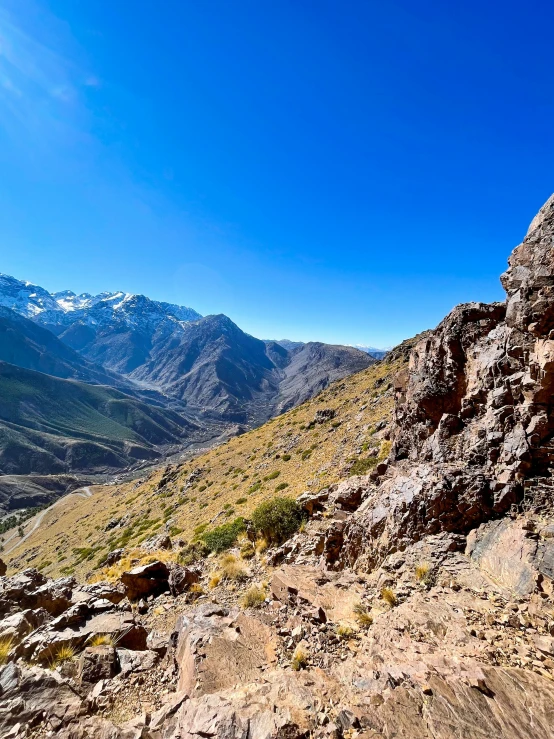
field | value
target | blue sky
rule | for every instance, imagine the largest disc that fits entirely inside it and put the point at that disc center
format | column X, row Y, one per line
column 345, row 172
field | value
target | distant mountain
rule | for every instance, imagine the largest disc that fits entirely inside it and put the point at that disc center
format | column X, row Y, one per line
column 51, row 426
column 373, row 351
column 206, row 367
column 28, row 345
column 287, row 344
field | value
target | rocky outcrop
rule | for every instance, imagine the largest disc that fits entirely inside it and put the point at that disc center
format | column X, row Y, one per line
column 473, row 436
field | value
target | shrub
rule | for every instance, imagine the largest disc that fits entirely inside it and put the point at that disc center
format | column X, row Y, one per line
column 362, row 615
column 389, row 597
column 281, row 486
column 286, row 457
column 272, row 476
column 299, row 658
column 253, row 597
column 254, row 488
column 277, row 519
column 224, row 536
column 192, row 553
column 363, row 465
column 240, row 501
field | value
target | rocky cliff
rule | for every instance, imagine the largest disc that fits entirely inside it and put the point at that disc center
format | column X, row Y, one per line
column 416, row 601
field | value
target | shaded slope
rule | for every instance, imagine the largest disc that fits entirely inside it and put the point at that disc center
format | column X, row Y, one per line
column 49, row 425
column 28, row 345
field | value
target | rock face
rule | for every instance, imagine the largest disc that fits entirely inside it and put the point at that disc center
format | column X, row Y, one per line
column 474, row 421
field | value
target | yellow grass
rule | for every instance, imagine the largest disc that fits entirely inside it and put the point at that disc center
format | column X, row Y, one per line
column 299, row 658
column 6, row 644
column 253, row 597
column 389, row 596
column 362, row 615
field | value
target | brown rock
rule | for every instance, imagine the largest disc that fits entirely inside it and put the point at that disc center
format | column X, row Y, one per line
column 150, row 579
column 97, row 663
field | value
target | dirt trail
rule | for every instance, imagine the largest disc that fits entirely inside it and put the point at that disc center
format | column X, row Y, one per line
column 85, row 492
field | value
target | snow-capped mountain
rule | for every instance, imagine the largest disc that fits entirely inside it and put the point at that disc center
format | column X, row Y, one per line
column 25, row 298
column 62, row 309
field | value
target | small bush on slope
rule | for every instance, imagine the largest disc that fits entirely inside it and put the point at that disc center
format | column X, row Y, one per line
column 224, row 536
column 277, row 519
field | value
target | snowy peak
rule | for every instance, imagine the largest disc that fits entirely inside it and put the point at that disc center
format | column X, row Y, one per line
column 25, row 298
column 63, row 308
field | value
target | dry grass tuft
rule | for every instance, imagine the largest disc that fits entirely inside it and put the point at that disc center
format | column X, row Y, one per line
column 253, row 597
column 261, row 546
column 65, row 653
column 423, row 572
column 196, row 588
column 214, row 581
column 231, row 568
column 6, row 644
column 99, row 640
column 362, row 615
column 389, row 596
column 344, row 631
column 299, row 658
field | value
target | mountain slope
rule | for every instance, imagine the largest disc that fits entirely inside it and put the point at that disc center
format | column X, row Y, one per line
column 28, row 345
column 302, row 449
column 206, row 365
column 49, row 425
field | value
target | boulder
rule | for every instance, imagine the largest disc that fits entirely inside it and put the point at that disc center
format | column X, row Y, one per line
column 29, row 695
column 137, row 661
column 217, row 649
column 333, row 593
column 97, row 663
column 105, row 591
column 155, row 543
column 181, row 578
column 150, row 579
column 20, row 624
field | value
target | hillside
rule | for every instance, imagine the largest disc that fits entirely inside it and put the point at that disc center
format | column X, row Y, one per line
column 415, row 598
column 49, row 425
column 314, row 445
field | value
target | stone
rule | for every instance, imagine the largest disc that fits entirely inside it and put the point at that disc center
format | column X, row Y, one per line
column 97, row 663
column 215, row 651
column 181, row 578
column 150, row 579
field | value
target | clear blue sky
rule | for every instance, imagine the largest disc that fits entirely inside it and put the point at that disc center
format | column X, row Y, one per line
column 341, row 171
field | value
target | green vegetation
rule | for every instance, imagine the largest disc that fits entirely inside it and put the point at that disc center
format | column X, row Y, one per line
column 224, row 536
column 363, row 465
column 277, row 519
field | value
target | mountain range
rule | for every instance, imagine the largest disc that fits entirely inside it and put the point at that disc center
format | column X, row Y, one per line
column 164, row 377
